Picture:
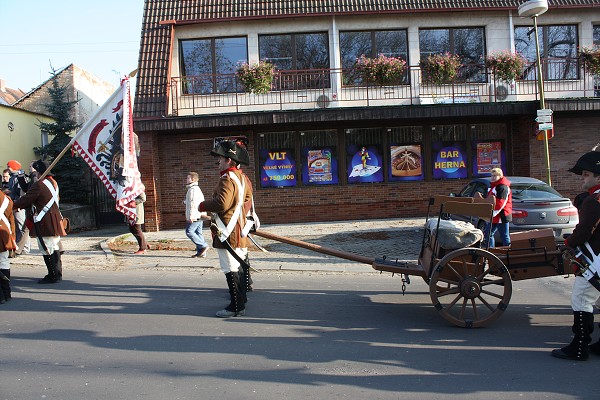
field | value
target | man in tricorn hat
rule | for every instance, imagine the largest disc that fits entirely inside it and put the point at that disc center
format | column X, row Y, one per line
column 585, row 238
column 229, row 218
column 41, row 203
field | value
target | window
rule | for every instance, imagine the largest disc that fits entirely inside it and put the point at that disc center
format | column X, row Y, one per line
column 319, row 157
column 371, row 44
column 364, row 156
column 596, row 33
column 208, row 65
column 558, row 51
column 468, row 43
column 488, row 148
column 293, row 52
column 449, row 156
column 406, row 153
column 277, row 159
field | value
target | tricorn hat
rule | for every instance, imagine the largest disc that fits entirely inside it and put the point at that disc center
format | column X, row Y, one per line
column 233, row 150
column 40, row 166
column 590, row 161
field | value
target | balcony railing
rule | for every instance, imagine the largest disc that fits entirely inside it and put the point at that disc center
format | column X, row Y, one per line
column 334, row 88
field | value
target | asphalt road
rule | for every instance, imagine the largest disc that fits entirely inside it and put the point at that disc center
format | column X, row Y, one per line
column 122, row 331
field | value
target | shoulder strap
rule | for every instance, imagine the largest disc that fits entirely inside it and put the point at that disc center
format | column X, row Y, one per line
column 3, row 218
column 53, row 199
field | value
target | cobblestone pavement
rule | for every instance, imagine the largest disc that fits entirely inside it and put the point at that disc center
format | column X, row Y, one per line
column 398, row 238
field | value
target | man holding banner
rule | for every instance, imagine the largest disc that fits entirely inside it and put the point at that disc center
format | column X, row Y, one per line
column 45, row 220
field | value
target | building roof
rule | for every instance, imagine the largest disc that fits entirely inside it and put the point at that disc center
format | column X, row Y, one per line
column 7, row 95
column 160, row 16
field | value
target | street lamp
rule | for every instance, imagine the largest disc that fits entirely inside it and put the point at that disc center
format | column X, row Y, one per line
column 533, row 8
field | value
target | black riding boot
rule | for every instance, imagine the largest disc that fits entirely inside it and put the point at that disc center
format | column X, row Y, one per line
column 2, row 280
column 241, row 278
column 247, row 282
column 57, row 264
column 51, row 277
column 595, row 348
column 578, row 349
column 236, row 307
column 5, row 284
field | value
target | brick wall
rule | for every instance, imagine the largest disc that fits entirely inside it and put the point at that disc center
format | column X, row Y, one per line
column 168, row 158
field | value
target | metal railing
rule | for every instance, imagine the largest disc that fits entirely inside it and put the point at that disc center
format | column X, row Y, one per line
column 335, row 88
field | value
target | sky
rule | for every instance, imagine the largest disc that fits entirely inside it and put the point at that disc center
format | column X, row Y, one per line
column 101, row 37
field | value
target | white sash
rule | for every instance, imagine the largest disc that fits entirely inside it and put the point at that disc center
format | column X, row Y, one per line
column 224, row 231
column 3, row 218
column 54, row 199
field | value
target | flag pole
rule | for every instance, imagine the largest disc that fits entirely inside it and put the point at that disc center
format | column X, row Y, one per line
column 60, row 155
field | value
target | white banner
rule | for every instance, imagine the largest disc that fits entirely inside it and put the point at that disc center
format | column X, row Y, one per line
column 107, row 143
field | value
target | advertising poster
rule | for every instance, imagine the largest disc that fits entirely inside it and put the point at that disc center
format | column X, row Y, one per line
column 364, row 164
column 277, row 168
column 487, row 155
column 320, row 167
column 449, row 161
column 406, row 163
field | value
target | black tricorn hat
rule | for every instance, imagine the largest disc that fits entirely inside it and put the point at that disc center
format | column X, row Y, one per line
column 41, row 166
column 233, row 150
column 589, row 162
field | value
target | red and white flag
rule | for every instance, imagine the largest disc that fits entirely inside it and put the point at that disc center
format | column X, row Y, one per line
column 108, row 144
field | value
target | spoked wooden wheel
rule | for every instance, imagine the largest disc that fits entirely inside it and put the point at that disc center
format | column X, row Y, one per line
column 470, row 287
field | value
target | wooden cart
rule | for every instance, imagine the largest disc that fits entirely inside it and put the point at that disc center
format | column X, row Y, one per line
column 469, row 286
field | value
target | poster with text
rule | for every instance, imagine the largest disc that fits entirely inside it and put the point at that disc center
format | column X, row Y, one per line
column 320, row 167
column 449, row 160
column 364, row 164
column 406, row 163
column 487, row 155
column 277, row 168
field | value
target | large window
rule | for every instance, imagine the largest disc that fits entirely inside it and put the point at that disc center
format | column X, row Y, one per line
column 370, row 44
column 468, row 43
column 295, row 51
column 208, row 65
column 558, row 50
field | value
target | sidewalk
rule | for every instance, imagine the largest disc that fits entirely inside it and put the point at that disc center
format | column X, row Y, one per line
column 398, row 238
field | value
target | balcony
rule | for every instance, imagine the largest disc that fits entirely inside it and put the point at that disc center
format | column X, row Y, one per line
column 333, row 88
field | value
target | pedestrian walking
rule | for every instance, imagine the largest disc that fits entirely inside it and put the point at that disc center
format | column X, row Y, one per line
column 193, row 217
column 18, row 185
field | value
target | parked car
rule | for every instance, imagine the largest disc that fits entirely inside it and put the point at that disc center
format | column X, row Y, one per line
column 536, row 205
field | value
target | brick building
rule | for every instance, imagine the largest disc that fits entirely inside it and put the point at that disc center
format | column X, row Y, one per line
column 329, row 144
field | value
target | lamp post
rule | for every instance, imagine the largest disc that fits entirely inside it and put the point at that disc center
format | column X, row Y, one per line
column 533, row 8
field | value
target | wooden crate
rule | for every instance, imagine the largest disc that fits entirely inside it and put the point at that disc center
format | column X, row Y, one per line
column 532, row 254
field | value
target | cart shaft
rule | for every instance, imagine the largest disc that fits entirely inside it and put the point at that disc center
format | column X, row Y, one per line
column 317, row 248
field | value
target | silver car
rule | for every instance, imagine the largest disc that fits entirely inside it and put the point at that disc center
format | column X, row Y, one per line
column 535, row 205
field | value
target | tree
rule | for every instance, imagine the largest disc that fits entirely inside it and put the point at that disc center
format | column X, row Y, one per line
column 71, row 170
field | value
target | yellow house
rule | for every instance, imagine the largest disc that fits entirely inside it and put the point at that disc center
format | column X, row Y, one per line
column 19, row 134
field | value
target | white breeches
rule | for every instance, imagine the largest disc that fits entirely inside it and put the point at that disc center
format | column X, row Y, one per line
column 52, row 243
column 584, row 295
column 4, row 261
column 227, row 262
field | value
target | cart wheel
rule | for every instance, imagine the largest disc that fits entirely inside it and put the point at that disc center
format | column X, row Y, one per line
column 467, row 283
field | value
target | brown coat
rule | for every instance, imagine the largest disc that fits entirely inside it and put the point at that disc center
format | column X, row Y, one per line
column 224, row 202
column 588, row 228
column 7, row 237
column 38, row 195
